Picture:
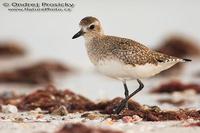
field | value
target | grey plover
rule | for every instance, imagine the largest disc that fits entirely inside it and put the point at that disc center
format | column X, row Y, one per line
column 122, row 58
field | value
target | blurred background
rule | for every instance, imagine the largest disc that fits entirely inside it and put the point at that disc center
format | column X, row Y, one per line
column 47, row 35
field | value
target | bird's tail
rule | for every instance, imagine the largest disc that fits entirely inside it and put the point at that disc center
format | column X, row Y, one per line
column 186, row 60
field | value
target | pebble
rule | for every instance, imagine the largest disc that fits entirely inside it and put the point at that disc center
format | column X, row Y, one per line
column 134, row 118
column 60, row 111
column 9, row 109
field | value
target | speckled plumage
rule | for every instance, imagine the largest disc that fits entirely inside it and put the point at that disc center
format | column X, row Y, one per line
column 121, row 58
column 126, row 50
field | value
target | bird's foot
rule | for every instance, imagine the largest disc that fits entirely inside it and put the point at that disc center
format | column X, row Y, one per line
column 123, row 105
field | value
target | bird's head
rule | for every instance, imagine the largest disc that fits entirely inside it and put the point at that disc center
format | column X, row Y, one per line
column 90, row 27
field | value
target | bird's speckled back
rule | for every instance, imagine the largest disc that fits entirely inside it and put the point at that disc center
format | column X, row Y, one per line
column 125, row 50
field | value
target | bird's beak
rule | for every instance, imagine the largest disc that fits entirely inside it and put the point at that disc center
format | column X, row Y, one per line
column 80, row 33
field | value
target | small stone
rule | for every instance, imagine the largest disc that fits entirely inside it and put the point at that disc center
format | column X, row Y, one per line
column 38, row 110
column 39, row 116
column 136, row 118
column 9, row 109
column 18, row 120
column 129, row 119
column 153, row 108
column 93, row 116
column 60, row 111
column 109, row 121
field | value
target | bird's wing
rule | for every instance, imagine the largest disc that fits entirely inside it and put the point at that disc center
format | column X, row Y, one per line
column 163, row 58
column 132, row 52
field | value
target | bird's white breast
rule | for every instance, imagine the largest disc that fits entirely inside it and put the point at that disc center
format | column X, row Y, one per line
column 119, row 70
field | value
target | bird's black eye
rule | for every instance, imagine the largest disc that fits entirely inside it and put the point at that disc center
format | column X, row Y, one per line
column 91, row 27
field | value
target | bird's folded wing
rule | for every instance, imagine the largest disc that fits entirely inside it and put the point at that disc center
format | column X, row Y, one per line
column 134, row 53
column 163, row 58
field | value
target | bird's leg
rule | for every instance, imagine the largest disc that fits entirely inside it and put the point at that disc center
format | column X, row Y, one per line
column 123, row 102
column 126, row 92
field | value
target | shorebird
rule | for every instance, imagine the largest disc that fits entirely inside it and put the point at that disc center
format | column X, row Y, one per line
column 121, row 58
